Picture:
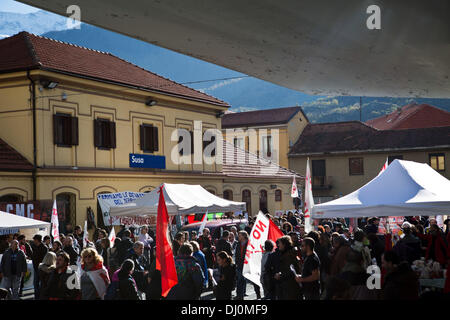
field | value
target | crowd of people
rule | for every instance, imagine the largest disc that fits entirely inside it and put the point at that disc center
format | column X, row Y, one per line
column 328, row 263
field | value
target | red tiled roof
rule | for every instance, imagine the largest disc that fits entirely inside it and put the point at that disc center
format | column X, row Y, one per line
column 412, row 116
column 10, row 159
column 259, row 117
column 28, row 51
column 357, row 136
column 248, row 165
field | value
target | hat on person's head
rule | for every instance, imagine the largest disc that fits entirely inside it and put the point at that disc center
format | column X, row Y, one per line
column 406, row 225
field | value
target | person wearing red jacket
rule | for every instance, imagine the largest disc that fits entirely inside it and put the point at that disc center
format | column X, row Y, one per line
column 436, row 248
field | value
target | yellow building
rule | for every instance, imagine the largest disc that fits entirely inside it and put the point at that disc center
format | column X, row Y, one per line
column 346, row 155
column 268, row 133
column 77, row 122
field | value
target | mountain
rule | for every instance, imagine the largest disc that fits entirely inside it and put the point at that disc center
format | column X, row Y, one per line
column 243, row 93
column 37, row 22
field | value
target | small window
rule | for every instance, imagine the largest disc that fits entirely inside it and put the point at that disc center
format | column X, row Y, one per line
column 149, row 138
column 228, row 195
column 278, row 195
column 356, row 166
column 437, row 161
column 239, row 143
column 104, row 134
column 267, row 146
column 392, row 158
column 65, row 130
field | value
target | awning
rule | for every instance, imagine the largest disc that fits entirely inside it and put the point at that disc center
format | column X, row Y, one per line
column 181, row 199
column 405, row 188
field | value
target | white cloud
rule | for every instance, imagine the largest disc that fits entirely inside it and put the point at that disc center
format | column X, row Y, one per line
column 220, row 84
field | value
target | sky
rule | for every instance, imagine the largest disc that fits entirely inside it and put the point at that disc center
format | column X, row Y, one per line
column 14, row 6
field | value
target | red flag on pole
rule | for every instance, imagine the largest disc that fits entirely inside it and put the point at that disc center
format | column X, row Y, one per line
column 274, row 232
column 164, row 256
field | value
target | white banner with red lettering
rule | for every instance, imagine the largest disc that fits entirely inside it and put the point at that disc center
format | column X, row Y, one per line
column 108, row 200
column 262, row 230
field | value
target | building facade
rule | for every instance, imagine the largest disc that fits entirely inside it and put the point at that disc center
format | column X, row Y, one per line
column 77, row 122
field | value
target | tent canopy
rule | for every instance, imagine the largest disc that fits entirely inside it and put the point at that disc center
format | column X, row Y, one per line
column 10, row 222
column 405, row 188
column 181, row 199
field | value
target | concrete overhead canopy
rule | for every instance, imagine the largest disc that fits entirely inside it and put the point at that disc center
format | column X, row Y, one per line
column 319, row 47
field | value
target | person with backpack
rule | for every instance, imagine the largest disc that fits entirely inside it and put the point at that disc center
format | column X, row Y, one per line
column 123, row 286
column 190, row 276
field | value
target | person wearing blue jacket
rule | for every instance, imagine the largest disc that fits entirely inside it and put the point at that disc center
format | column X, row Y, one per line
column 200, row 256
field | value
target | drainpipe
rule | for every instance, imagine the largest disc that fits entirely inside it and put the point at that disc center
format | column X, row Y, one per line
column 32, row 88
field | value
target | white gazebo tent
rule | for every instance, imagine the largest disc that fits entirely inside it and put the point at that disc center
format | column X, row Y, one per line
column 11, row 223
column 405, row 188
column 181, row 199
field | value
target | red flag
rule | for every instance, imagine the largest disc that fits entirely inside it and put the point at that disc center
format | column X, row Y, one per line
column 274, row 232
column 164, row 256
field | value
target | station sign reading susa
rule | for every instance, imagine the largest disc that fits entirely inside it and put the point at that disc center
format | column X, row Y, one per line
column 147, row 161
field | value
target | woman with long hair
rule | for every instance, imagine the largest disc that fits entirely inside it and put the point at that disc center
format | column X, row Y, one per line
column 46, row 268
column 227, row 274
column 127, row 285
column 94, row 277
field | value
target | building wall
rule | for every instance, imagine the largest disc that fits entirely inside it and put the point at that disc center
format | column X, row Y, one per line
column 239, row 185
column 337, row 168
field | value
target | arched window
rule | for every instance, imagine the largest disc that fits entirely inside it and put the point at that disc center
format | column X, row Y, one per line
column 11, row 198
column 211, row 191
column 228, row 195
column 247, row 198
column 278, row 195
column 66, row 209
column 263, row 201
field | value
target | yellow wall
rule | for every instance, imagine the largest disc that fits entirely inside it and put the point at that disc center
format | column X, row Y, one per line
column 337, row 167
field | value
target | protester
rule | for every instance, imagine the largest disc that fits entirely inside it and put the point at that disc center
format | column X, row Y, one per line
column 198, row 254
column 266, row 279
column 358, row 245
column 310, row 277
column 227, row 276
column 94, row 277
column 436, row 246
column 25, row 246
column 60, row 285
column 113, row 257
column 206, row 246
column 409, row 247
column 223, row 244
column 287, row 287
column 124, row 246
column 233, row 242
column 340, row 251
column 141, row 266
column 46, row 269
column 179, row 240
column 57, row 247
column 239, row 257
column 70, row 249
column 39, row 252
column 190, row 276
column 400, row 282
column 13, row 267
column 127, row 285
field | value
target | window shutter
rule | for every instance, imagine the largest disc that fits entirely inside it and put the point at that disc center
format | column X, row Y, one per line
column 97, row 133
column 74, row 131
column 112, row 133
column 57, row 138
column 155, row 138
column 142, row 137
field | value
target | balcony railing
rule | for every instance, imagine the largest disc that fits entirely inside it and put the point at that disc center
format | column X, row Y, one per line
column 321, row 183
